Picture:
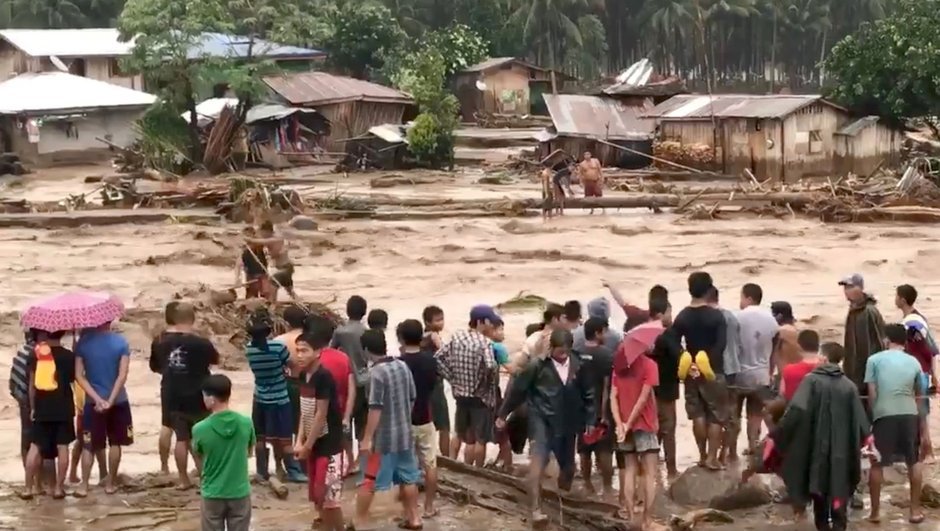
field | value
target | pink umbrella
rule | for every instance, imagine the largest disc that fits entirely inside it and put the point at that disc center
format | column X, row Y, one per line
column 639, row 340
column 73, row 311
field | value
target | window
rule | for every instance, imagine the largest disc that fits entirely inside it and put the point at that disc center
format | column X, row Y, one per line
column 114, row 68
column 815, row 141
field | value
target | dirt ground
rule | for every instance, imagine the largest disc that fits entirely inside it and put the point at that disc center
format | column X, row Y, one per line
column 403, row 266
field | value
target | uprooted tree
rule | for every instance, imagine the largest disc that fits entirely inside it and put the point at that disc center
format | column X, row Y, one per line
column 890, row 67
column 170, row 48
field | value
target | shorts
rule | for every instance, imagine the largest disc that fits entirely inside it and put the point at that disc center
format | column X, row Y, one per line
column 638, row 442
column 325, row 480
column 897, row 438
column 48, row 436
column 425, row 437
column 474, row 420
column 708, row 399
column 26, row 423
column 440, row 411
column 293, row 393
column 284, row 277
column 114, row 427
column 166, row 420
column 381, row 471
column 593, row 189
column 182, row 423
column 273, row 421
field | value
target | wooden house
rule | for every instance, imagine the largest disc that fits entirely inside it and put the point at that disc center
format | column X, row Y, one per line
column 505, row 85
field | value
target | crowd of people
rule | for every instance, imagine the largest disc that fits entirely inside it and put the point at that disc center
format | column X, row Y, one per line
column 334, row 402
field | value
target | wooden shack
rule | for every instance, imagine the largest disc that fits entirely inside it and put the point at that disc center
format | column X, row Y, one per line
column 352, row 106
column 505, row 85
column 862, row 145
column 782, row 137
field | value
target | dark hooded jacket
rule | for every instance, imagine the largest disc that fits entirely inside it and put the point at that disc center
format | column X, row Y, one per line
column 562, row 408
column 864, row 332
column 821, row 435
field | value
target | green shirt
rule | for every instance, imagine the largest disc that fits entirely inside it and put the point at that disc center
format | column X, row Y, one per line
column 223, row 441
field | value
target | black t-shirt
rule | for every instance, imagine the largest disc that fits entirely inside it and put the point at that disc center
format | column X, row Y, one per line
column 598, row 364
column 254, row 261
column 666, row 352
column 320, row 386
column 57, row 405
column 183, row 360
column 703, row 328
column 424, row 371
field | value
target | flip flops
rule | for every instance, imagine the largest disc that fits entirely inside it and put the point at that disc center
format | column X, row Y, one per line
column 704, row 367
column 685, row 364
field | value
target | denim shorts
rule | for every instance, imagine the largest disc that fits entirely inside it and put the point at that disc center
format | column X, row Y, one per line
column 382, row 471
column 273, row 421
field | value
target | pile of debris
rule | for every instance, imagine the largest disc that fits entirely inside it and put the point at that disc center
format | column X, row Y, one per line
column 700, row 156
column 914, row 197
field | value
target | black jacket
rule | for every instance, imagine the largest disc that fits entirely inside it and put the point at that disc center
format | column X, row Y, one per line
column 563, row 406
column 820, row 436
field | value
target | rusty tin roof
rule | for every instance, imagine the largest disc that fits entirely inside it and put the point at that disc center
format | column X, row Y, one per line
column 595, row 117
column 320, row 88
column 703, row 107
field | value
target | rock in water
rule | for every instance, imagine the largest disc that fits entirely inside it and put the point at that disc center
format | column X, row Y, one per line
column 723, row 490
column 303, row 223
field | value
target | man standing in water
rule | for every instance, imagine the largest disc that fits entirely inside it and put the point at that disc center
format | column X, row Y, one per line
column 894, row 382
column 864, row 331
column 277, row 249
column 592, row 177
column 706, row 393
column 183, row 359
column 758, row 328
column 101, row 366
column 560, row 400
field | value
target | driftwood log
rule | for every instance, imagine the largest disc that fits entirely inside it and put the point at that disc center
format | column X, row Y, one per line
column 507, row 494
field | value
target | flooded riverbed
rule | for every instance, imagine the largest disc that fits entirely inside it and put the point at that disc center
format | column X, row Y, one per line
column 403, row 266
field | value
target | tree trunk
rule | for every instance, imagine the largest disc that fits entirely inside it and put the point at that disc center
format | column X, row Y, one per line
column 773, row 50
column 822, row 57
column 195, row 147
column 551, row 61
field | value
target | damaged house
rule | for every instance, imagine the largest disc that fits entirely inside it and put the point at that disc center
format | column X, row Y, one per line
column 56, row 118
column 505, row 85
column 352, row 106
column 599, row 125
column 784, row 137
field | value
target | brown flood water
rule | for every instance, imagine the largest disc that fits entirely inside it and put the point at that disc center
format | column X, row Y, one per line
column 454, row 263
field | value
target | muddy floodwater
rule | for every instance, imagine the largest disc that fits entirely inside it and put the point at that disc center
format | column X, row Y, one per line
column 453, row 263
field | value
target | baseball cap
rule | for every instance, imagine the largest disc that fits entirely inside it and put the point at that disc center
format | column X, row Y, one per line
column 854, row 280
column 483, row 312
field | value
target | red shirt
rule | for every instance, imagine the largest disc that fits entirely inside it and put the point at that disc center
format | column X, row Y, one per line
column 793, row 374
column 337, row 363
column 629, row 384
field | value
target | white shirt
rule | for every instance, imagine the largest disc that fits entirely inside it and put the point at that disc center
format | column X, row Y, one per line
column 562, row 369
column 758, row 328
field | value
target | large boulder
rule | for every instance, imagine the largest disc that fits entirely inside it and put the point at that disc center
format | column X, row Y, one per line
column 700, row 487
column 303, row 223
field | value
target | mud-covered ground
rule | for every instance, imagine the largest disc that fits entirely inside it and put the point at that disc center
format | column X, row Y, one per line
column 455, row 263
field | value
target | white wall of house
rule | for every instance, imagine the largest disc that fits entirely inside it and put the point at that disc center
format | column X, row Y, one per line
column 113, row 125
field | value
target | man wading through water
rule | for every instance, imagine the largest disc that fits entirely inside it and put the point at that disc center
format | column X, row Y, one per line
column 277, row 248
column 560, row 399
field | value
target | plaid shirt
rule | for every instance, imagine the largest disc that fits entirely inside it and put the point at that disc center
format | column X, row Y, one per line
column 468, row 362
column 392, row 389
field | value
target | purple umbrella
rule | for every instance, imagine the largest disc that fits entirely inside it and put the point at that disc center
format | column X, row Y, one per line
column 73, row 311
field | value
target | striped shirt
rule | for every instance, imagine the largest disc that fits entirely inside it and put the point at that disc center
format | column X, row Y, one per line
column 392, row 390
column 19, row 374
column 268, row 366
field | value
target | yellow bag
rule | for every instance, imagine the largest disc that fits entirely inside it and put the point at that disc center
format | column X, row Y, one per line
column 704, row 366
column 45, row 379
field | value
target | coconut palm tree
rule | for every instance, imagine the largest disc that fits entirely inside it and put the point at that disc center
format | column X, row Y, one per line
column 47, row 14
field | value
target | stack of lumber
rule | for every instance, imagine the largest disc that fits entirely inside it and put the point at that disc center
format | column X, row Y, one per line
column 219, row 145
column 694, row 155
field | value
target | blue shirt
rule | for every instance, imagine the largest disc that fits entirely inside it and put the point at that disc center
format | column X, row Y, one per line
column 501, row 353
column 101, row 354
column 895, row 375
column 268, row 367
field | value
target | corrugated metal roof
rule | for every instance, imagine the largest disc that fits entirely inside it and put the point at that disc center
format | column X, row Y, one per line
column 391, row 133
column 699, row 107
column 593, row 117
column 58, row 91
column 273, row 111
column 222, row 45
column 320, row 88
column 495, row 62
column 856, row 127
column 102, row 42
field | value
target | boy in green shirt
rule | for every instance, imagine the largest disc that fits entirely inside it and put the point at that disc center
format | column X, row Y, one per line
column 224, row 441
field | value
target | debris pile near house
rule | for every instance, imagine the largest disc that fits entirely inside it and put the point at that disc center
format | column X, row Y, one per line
column 694, row 155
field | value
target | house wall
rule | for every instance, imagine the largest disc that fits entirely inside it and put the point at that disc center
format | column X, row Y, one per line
column 107, row 69
column 354, row 118
column 863, row 153
column 752, row 144
column 57, row 146
column 514, row 79
column 808, row 142
column 691, row 132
